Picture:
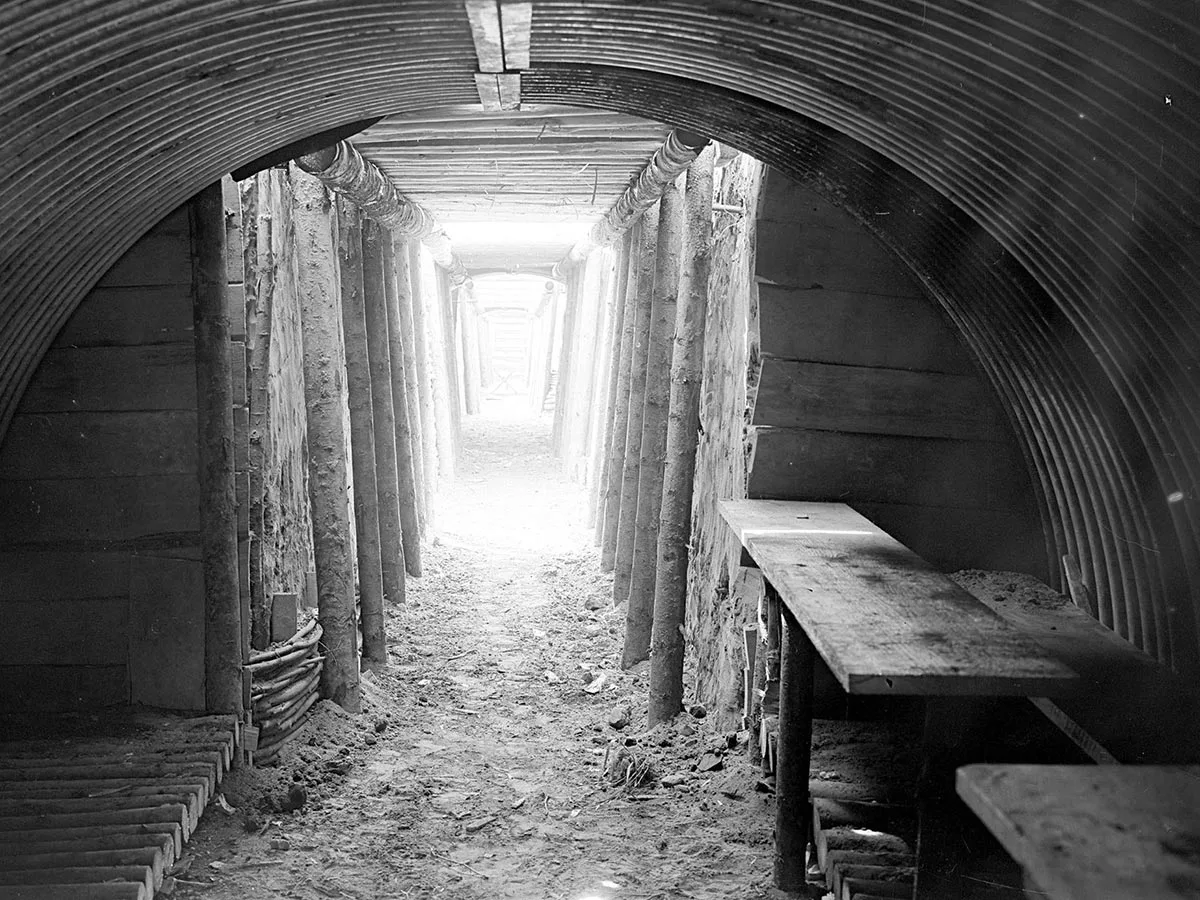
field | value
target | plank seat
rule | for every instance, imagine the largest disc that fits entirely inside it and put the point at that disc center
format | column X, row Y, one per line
column 885, row 622
column 1094, row 832
column 1127, row 707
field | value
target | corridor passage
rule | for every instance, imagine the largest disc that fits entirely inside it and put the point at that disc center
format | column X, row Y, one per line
column 478, row 768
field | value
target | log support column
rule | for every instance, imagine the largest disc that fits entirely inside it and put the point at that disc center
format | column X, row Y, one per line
column 384, row 414
column 362, row 436
column 683, row 433
column 472, row 378
column 318, row 285
column 639, row 615
column 424, row 382
column 218, row 505
column 637, row 394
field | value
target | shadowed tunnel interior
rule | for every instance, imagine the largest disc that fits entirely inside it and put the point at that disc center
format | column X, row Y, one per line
column 1036, row 167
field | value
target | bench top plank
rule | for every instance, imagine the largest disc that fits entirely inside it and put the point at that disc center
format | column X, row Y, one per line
column 882, row 618
column 1094, row 832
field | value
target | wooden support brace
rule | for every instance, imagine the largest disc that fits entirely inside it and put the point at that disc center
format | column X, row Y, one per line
column 792, row 815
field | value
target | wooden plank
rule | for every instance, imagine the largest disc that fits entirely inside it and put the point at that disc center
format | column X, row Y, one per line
column 484, row 18
column 1094, row 832
column 237, row 364
column 91, row 379
column 140, row 875
column 173, row 813
column 84, row 844
column 1119, row 684
column 62, row 576
column 82, row 445
column 157, row 259
column 97, row 509
column 166, row 627
column 885, row 468
column 150, row 831
column 489, row 91
column 130, row 316
column 241, row 438
column 117, row 890
column 62, row 687
column 509, row 85
column 870, row 400
column 82, row 632
column 236, row 297
column 879, row 615
column 838, row 257
column 516, row 21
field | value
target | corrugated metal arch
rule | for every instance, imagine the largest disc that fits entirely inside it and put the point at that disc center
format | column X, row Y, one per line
column 1040, row 166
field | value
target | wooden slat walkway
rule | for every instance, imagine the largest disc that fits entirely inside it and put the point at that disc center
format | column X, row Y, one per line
column 106, row 816
column 1094, row 832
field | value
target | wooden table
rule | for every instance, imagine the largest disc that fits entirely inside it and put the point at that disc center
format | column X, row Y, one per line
column 884, row 621
column 1094, row 832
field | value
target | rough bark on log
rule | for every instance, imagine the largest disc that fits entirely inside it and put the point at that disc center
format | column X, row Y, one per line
column 405, row 289
column 410, row 531
column 362, row 435
column 470, row 355
column 323, row 386
column 639, row 615
column 626, row 527
column 424, row 380
column 683, row 432
column 615, row 338
column 440, row 377
column 668, row 163
column 384, row 412
column 343, row 169
column 218, row 504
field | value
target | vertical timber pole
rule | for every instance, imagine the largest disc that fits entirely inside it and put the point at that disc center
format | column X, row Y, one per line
column 612, row 360
column 553, row 290
column 620, row 404
column 470, row 353
column 218, row 505
column 429, row 425
column 566, row 367
column 639, row 616
column 318, row 283
column 683, row 433
column 443, row 395
column 792, row 814
column 448, row 297
column 362, row 436
column 405, row 288
column 383, row 411
column 410, row 529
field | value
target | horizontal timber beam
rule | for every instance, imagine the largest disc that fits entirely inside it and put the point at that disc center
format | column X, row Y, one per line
column 345, row 171
column 669, row 161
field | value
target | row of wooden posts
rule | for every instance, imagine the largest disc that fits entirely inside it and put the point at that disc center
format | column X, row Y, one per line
column 630, row 413
column 380, row 379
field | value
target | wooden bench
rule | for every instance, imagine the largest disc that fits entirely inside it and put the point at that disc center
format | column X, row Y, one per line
column 884, row 621
column 1094, row 832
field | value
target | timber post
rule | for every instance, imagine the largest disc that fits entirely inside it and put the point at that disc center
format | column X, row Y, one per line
column 424, row 380
column 639, row 615
column 611, row 514
column 604, row 464
column 404, row 294
column 218, row 505
column 442, row 386
column 383, row 410
column 683, row 433
column 362, row 436
column 317, row 284
column 623, row 565
column 561, row 428
column 470, row 354
column 406, row 486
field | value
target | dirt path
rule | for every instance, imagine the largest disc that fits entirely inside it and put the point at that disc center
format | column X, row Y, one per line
column 478, row 768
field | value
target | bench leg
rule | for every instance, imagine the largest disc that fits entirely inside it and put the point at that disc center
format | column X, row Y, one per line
column 792, row 816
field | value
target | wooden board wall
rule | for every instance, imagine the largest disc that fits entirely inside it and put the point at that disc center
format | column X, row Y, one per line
column 866, row 396
column 99, row 465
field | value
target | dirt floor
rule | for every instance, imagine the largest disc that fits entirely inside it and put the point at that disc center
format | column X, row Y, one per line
column 482, row 767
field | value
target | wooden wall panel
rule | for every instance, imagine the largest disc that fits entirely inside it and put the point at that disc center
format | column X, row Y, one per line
column 865, row 395
column 99, row 462
column 871, row 400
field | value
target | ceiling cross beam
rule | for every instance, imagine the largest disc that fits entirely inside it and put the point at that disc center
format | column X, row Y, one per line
column 500, row 30
column 669, row 161
column 345, row 171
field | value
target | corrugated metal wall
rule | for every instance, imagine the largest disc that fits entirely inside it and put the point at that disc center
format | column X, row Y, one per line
column 1037, row 165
